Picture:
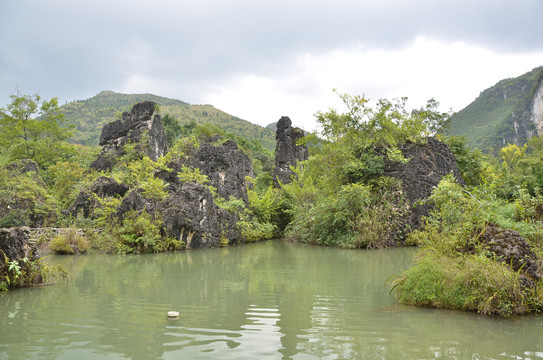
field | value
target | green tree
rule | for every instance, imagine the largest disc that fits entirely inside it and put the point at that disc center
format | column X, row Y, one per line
column 341, row 196
column 32, row 128
column 471, row 163
column 512, row 155
column 172, row 128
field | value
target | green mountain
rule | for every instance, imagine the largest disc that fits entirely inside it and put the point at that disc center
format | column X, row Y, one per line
column 89, row 116
column 272, row 126
column 509, row 112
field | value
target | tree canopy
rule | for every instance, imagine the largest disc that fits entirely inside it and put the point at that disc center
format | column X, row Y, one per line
column 32, row 128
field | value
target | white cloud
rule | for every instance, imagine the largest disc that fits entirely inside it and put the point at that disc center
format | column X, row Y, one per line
column 452, row 73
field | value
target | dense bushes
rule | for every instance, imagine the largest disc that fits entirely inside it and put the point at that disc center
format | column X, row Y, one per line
column 357, row 216
column 473, row 283
column 340, row 195
column 457, row 270
column 26, row 272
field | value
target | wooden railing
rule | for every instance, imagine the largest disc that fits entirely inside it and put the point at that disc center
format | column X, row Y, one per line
column 48, row 233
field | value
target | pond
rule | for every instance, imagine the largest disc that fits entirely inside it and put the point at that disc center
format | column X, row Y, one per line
column 269, row 300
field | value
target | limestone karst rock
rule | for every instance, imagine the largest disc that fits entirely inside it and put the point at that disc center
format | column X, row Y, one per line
column 86, row 200
column 287, row 153
column 189, row 211
column 226, row 166
column 138, row 126
column 15, row 246
column 428, row 164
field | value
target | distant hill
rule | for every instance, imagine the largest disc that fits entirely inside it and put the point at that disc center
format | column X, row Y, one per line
column 272, row 126
column 89, row 116
column 509, row 112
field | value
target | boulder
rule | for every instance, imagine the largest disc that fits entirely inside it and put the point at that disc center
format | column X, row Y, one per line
column 102, row 187
column 428, row 164
column 287, row 153
column 15, row 245
column 188, row 214
column 226, row 166
column 510, row 247
column 138, row 126
column 23, row 166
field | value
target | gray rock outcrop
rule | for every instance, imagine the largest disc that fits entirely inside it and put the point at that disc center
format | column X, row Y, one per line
column 510, row 247
column 188, row 214
column 226, row 166
column 15, row 245
column 138, row 126
column 23, row 166
column 86, row 200
column 428, row 164
column 287, row 153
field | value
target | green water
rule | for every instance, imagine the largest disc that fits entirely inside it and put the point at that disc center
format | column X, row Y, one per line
column 270, row 300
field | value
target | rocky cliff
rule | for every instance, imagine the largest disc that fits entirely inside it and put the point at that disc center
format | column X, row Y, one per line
column 87, row 201
column 189, row 211
column 427, row 165
column 287, row 152
column 510, row 112
column 138, row 126
column 226, row 166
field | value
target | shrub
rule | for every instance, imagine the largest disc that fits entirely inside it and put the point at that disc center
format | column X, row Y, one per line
column 454, row 270
column 358, row 216
column 141, row 233
column 26, row 272
column 69, row 243
column 470, row 282
column 256, row 231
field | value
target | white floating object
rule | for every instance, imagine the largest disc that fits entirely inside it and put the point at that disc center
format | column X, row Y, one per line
column 173, row 315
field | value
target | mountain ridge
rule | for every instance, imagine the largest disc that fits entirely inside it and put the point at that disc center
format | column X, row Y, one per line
column 90, row 115
column 510, row 111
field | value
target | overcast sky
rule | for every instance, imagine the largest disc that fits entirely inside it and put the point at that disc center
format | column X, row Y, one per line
column 259, row 60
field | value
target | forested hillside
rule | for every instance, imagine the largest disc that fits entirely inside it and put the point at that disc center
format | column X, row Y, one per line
column 89, row 116
column 501, row 114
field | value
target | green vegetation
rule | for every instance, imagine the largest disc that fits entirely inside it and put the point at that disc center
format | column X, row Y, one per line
column 89, row 116
column 456, row 270
column 69, row 243
column 34, row 129
column 490, row 119
column 26, row 272
column 340, row 196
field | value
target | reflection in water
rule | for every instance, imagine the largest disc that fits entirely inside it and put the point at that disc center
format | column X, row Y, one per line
column 260, row 335
column 272, row 300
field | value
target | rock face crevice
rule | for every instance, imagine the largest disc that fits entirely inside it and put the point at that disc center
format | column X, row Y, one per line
column 138, row 126
column 428, row 164
column 287, row 153
column 226, row 166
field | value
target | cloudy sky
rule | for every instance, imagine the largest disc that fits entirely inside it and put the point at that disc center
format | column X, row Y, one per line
column 259, row 60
